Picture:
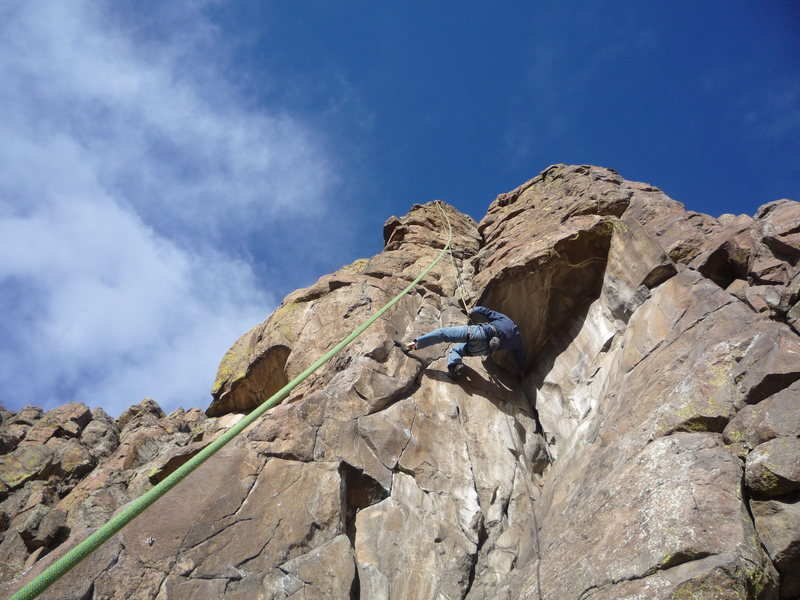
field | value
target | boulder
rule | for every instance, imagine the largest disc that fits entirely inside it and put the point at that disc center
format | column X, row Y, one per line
column 326, row 572
column 773, row 468
column 778, row 228
column 26, row 463
column 771, row 363
column 27, row 416
column 776, row 416
column 146, row 413
column 726, row 255
column 42, row 527
column 101, row 435
column 778, row 526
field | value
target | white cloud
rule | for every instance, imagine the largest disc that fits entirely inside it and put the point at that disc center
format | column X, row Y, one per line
column 128, row 183
column 178, row 146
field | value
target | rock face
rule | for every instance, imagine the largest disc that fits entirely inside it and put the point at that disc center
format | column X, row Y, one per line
column 651, row 450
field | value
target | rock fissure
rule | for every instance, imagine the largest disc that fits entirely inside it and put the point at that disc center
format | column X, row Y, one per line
column 220, row 526
column 410, row 431
column 672, row 563
column 666, row 344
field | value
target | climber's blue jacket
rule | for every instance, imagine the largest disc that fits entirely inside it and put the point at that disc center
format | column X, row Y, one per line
column 506, row 331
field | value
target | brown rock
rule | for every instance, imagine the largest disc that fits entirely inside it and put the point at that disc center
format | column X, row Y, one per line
column 772, row 300
column 81, row 579
column 767, row 269
column 265, row 373
column 168, row 462
column 327, row 572
column 146, row 413
column 263, row 539
column 646, row 517
column 683, row 235
column 422, row 220
column 776, row 233
column 179, row 587
column 773, row 468
column 716, row 577
column 779, row 227
column 13, row 556
column 738, row 288
column 725, row 257
column 636, row 264
column 138, row 448
column 771, row 363
column 101, row 435
column 603, row 474
column 64, row 421
column 778, row 525
column 26, row 463
column 439, row 547
column 174, row 460
column 74, row 459
column 678, row 351
column 776, row 416
column 27, row 416
column 41, row 432
column 793, row 316
column 388, row 432
column 73, row 417
column 310, row 321
column 43, row 527
column 95, row 499
column 10, row 437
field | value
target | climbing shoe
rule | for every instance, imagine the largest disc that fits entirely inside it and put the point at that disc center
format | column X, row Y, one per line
column 403, row 346
column 454, row 369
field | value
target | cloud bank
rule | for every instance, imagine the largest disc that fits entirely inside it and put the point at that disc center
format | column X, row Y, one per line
column 133, row 177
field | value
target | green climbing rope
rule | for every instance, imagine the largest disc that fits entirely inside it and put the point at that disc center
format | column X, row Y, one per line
column 59, row 568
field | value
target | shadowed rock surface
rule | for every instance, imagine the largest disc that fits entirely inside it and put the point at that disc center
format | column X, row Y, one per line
column 651, row 451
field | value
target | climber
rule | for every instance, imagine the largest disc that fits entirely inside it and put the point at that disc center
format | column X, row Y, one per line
column 500, row 333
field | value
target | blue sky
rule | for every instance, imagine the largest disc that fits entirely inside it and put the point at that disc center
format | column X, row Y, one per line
column 171, row 172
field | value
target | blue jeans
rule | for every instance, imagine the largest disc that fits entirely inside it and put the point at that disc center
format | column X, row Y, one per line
column 478, row 344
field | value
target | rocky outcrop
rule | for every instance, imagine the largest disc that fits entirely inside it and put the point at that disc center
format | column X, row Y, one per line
column 650, row 451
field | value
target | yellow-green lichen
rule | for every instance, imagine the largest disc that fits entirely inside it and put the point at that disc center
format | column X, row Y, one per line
column 237, row 360
column 285, row 318
column 697, row 415
column 553, row 174
column 720, row 375
column 234, row 364
column 620, row 226
column 691, row 591
column 715, row 584
column 757, row 580
column 357, row 266
column 768, row 481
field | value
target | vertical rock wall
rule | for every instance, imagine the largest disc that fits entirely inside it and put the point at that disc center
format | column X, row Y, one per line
column 642, row 387
column 651, row 451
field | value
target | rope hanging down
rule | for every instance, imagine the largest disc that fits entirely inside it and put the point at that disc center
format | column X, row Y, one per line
column 59, row 568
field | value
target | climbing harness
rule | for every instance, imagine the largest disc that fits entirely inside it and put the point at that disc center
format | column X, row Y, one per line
column 59, row 568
